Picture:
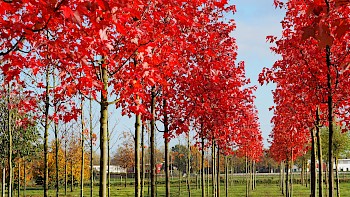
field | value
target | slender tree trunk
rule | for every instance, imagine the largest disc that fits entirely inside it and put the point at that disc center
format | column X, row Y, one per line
column 46, row 136
column 232, row 171
column 142, row 161
column 280, row 176
column 254, row 175
column 313, row 165
column 82, row 149
column 291, row 175
column 152, row 145
column 9, row 130
column 65, row 166
column 19, row 179
column 337, row 176
column 24, row 177
column 56, row 141
column 213, row 169
column 302, row 172
column 103, row 133
column 283, row 177
column 137, row 156
column 91, row 150
column 306, row 174
column 254, row 178
column 56, row 158
column 319, row 151
column 126, row 176
column 208, row 178
column 71, row 175
column 247, row 181
column 330, row 123
column 3, row 181
column 202, row 165
column 251, row 175
column 166, row 143
column 188, row 165
column 287, row 179
column 226, row 177
column 179, row 181
column 109, row 164
column 326, row 181
column 218, row 172
column 167, row 171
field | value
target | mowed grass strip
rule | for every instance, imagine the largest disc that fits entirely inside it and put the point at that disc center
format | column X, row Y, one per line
column 267, row 186
column 262, row 190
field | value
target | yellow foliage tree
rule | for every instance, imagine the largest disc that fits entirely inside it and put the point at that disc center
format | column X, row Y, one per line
column 73, row 161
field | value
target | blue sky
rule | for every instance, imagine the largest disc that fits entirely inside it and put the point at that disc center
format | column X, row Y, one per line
column 255, row 20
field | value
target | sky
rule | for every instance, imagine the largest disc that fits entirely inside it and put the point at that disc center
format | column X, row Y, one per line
column 255, row 20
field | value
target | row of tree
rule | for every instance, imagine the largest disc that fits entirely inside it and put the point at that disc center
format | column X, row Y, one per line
column 171, row 62
column 312, row 78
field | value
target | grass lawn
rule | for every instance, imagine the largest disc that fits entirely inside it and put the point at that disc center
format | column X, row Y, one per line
column 265, row 189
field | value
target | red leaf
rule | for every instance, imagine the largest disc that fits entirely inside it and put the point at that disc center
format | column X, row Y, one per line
column 121, row 29
column 67, row 12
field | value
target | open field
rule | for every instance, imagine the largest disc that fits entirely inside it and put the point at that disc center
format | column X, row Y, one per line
column 267, row 185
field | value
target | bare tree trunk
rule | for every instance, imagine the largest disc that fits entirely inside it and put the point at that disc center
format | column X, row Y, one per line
column 166, row 143
column 306, row 175
column 109, row 164
column 65, row 165
column 82, row 149
column 302, row 172
column 287, row 178
column 9, row 130
column 142, row 161
column 283, row 177
column 246, row 173
column 291, row 175
column 226, row 177
column 213, row 169
column 319, row 151
column 313, row 165
column 91, row 150
column 71, row 175
column 152, row 145
column 218, row 172
column 3, row 181
column 208, row 178
column 25, row 177
column 179, row 181
column 188, row 165
column 337, row 176
column 253, row 171
column 202, row 166
column 56, row 158
column 330, row 123
column 280, row 176
column 326, row 181
column 254, row 175
column 251, row 175
column 46, row 136
column 137, row 156
column 232, row 169
column 19, row 179
column 56, row 141
column 103, row 133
